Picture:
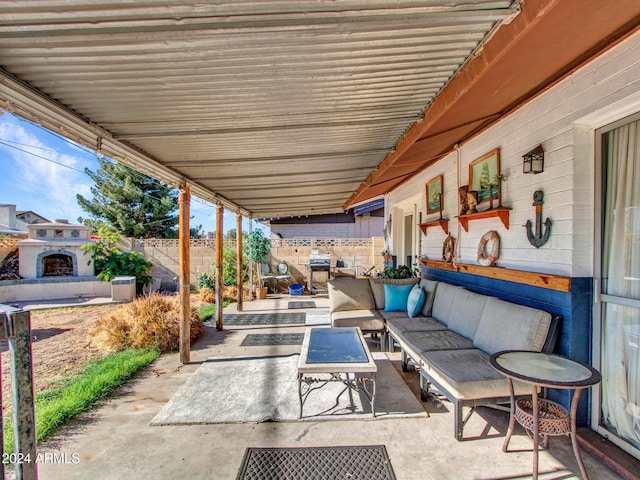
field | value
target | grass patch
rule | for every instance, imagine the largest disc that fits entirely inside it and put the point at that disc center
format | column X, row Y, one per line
column 78, row 393
column 207, row 310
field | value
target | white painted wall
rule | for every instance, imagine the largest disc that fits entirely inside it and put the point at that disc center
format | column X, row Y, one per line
column 563, row 119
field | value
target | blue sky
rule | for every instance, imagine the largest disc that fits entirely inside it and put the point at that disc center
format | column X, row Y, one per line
column 43, row 172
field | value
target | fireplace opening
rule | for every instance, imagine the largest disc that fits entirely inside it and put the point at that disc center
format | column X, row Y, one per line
column 57, row 265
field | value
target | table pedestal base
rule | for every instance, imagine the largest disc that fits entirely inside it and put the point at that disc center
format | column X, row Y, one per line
column 554, row 427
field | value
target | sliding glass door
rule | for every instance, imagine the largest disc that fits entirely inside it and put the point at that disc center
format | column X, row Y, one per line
column 616, row 409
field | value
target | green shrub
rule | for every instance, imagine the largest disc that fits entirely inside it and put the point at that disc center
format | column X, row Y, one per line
column 402, row 271
column 109, row 262
column 206, row 281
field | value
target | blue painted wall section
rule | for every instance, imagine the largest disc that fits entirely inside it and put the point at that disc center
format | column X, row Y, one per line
column 575, row 308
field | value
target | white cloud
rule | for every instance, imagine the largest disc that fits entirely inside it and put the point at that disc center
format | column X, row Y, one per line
column 52, row 185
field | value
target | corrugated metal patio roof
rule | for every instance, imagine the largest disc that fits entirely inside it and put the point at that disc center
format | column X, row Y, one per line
column 281, row 107
column 278, row 108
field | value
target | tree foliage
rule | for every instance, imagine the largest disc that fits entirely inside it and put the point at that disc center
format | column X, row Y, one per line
column 134, row 204
column 257, row 245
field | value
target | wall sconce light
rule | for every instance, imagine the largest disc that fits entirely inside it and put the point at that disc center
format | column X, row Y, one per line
column 533, row 161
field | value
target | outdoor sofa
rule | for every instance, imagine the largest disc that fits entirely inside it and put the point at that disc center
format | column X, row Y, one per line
column 449, row 337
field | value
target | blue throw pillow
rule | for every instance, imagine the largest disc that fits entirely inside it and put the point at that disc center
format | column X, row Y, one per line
column 395, row 297
column 415, row 302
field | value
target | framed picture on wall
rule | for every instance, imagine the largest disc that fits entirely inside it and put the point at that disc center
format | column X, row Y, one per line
column 482, row 176
column 434, row 195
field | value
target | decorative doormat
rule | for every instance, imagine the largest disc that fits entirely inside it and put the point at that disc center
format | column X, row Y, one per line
column 316, row 463
column 293, row 305
column 287, row 318
column 262, row 339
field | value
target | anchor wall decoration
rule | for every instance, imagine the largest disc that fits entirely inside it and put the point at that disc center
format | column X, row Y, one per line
column 539, row 238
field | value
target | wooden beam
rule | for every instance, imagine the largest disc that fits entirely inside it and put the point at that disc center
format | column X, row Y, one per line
column 184, row 199
column 219, row 266
column 550, row 281
column 239, row 256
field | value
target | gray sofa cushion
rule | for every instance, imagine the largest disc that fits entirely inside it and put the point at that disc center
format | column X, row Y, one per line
column 468, row 374
column 466, row 312
column 507, row 326
column 347, row 294
column 443, row 301
column 429, row 287
column 377, row 287
column 435, row 340
column 399, row 324
column 367, row 320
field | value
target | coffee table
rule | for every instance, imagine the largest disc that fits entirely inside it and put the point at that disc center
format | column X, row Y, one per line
column 336, row 355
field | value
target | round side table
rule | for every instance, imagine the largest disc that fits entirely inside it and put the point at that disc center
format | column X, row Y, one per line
column 542, row 416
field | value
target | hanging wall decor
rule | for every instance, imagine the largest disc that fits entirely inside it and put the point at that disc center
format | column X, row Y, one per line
column 489, row 248
column 448, row 249
column 482, row 177
column 538, row 238
column 434, row 195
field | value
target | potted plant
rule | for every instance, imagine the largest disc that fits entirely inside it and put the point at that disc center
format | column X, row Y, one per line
column 258, row 247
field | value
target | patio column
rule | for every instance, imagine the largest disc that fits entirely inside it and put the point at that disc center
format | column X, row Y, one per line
column 184, row 199
column 251, row 296
column 219, row 266
column 239, row 258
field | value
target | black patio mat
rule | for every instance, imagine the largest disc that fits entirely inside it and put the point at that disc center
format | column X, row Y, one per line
column 303, row 304
column 261, row 339
column 316, row 463
column 287, row 318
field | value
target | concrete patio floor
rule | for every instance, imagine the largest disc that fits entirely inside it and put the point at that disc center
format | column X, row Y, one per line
column 115, row 441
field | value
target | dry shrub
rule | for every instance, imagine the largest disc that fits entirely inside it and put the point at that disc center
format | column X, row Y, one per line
column 151, row 321
column 207, row 295
column 229, row 292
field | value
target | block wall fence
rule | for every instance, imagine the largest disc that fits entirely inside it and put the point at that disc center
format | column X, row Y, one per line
column 163, row 253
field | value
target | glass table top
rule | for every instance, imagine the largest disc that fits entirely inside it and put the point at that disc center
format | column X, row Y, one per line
column 335, row 345
column 545, row 368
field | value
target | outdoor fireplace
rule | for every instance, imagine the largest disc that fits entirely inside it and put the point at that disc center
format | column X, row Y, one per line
column 57, row 265
column 53, row 250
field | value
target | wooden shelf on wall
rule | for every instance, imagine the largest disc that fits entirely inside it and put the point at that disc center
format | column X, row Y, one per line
column 442, row 223
column 501, row 212
column 536, row 279
column 442, row 265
